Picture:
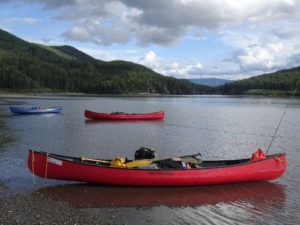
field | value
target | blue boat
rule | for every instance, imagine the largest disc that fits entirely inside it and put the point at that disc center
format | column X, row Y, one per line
column 34, row 110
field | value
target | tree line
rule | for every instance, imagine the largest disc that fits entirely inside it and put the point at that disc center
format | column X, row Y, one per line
column 284, row 82
column 27, row 66
column 31, row 67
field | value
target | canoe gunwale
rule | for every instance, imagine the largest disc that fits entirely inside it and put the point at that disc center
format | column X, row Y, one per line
column 243, row 162
column 159, row 115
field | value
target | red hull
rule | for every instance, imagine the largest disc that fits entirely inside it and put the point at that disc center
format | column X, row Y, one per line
column 53, row 166
column 124, row 116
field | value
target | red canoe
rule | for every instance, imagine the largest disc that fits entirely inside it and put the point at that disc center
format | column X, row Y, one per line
column 124, row 116
column 53, row 166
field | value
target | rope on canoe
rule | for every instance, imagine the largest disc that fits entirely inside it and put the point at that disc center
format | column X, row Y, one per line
column 32, row 166
column 46, row 169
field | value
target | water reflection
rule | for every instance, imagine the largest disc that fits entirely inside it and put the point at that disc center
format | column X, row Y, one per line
column 5, row 138
column 28, row 115
column 258, row 195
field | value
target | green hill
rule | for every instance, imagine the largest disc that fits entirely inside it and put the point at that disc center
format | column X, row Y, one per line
column 26, row 66
column 73, row 52
column 283, row 82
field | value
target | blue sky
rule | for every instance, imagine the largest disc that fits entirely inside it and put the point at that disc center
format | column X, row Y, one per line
column 227, row 39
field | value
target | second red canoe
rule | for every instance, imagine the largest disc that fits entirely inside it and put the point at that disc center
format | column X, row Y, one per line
column 124, row 116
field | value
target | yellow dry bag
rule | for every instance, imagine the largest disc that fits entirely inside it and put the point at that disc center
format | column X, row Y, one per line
column 118, row 162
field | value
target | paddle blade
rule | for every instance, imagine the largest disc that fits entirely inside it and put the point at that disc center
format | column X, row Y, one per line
column 138, row 163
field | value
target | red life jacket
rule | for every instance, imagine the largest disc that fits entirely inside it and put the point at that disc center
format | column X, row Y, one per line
column 258, row 155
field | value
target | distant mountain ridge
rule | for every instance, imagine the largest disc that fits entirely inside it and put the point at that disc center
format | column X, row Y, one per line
column 35, row 67
column 211, row 82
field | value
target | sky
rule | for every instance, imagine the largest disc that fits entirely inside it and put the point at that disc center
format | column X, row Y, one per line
column 227, row 39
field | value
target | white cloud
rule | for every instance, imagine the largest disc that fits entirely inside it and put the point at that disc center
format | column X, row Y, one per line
column 198, row 36
column 196, row 69
column 23, row 20
column 100, row 54
column 99, row 32
column 255, row 58
column 165, row 22
column 263, row 47
column 78, row 33
column 158, row 35
column 276, row 47
column 174, row 65
column 150, row 59
column 263, row 34
column 108, row 55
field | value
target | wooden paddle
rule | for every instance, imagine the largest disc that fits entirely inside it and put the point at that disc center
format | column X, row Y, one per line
column 143, row 162
column 146, row 162
column 139, row 163
column 94, row 160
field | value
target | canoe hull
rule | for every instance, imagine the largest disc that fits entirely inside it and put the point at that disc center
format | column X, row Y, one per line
column 34, row 110
column 52, row 167
column 108, row 116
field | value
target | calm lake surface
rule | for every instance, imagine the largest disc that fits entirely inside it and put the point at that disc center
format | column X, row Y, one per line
column 216, row 126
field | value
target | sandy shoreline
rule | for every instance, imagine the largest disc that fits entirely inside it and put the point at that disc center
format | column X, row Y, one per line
column 27, row 208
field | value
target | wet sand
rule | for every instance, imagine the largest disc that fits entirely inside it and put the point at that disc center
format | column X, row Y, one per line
column 26, row 208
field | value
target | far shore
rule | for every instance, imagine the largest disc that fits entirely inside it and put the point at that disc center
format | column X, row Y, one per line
column 69, row 94
column 7, row 98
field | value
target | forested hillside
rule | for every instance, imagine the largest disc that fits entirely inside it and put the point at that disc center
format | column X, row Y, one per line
column 284, row 82
column 32, row 67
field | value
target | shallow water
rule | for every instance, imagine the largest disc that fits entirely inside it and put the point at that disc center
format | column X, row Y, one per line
column 219, row 127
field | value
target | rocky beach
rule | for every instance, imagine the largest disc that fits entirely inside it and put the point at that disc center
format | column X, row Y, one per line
column 36, row 209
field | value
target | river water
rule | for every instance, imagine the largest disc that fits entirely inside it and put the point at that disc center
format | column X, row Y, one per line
column 219, row 127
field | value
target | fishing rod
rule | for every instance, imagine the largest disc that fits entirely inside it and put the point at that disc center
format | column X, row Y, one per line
column 289, row 102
